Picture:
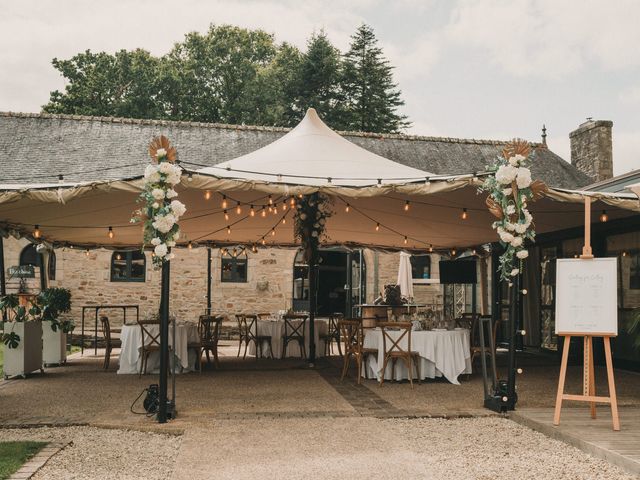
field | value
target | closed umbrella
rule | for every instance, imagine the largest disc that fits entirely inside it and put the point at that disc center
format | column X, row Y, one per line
column 405, row 278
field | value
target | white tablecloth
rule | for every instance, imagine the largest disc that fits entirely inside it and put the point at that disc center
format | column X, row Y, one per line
column 131, row 337
column 442, row 353
column 275, row 329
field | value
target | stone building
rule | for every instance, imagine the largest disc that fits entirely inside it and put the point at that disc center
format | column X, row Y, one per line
column 43, row 148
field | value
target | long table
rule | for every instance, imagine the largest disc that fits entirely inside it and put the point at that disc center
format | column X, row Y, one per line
column 442, row 353
column 275, row 329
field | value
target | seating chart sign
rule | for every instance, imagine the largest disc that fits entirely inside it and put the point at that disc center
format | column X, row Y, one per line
column 586, row 296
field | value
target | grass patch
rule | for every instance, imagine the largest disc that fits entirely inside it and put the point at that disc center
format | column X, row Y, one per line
column 14, row 454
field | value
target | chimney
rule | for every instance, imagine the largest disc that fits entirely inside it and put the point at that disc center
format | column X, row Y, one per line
column 592, row 150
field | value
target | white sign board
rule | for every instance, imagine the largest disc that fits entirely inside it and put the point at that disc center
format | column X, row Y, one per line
column 586, row 296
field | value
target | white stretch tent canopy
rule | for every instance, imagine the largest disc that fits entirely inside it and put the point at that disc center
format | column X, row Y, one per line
column 375, row 189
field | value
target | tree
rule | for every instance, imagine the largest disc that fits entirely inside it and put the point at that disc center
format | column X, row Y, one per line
column 318, row 80
column 371, row 97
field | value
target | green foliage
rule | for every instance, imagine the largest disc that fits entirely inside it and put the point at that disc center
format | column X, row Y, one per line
column 238, row 76
column 11, row 339
column 11, row 309
column 50, row 304
column 310, row 220
column 14, row 454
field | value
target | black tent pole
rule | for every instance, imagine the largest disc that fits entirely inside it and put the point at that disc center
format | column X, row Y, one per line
column 312, row 311
column 3, row 281
column 514, row 327
column 164, row 341
column 208, row 280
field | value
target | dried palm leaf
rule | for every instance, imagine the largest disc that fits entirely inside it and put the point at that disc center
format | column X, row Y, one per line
column 162, row 142
column 538, row 188
column 495, row 208
column 517, row 146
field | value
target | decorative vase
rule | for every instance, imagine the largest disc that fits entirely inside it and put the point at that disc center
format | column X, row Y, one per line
column 27, row 357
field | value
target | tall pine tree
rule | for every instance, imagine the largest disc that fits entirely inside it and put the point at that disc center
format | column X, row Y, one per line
column 318, row 82
column 372, row 97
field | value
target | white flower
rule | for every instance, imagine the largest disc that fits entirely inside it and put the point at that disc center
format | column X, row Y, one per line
column 171, row 193
column 520, row 228
column 161, row 152
column 155, row 205
column 507, row 191
column 522, row 254
column 506, row 237
column 322, row 221
column 160, row 250
column 523, row 179
column 155, row 241
column 515, row 272
column 166, row 168
column 316, row 225
column 164, row 223
column 516, row 242
column 511, row 209
column 178, row 208
column 171, row 243
column 506, row 174
column 150, row 170
column 510, row 226
column 157, row 193
column 314, row 234
column 516, row 160
column 303, row 216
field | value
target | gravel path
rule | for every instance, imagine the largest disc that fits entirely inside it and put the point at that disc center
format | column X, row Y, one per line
column 370, row 448
column 103, row 453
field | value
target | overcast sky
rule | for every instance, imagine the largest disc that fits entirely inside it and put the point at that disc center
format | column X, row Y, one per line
column 475, row 69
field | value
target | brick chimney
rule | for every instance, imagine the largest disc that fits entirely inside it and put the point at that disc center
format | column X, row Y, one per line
column 592, row 150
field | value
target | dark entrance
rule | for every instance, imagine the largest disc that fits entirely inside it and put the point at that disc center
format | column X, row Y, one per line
column 341, row 282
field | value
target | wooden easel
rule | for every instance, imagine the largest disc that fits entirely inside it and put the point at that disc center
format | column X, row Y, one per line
column 588, row 380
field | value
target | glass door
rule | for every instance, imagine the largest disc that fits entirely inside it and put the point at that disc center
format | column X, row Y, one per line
column 548, row 257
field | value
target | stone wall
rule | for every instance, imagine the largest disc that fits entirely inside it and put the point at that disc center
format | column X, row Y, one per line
column 592, row 149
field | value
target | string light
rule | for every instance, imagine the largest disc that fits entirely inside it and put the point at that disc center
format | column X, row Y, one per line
column 406, row 206
column 453, row 252
column 346, row 209
column 406, row 240
column 254, row 249
column 273, row 232
column 464, row 215
column 263, row 213
column 430, row 248
column 603, row 216
column 275, row 210
column 36, row 231
column 228, row 230
column 284, row 205
column 292, row 202
column 207, row 195
column 111, row 234
column 118, row 256
column 252, row 212
column 87, row 253
column 284, row 220
column 190, row 177
column 270, row 200
column 624, row 254
column 377, row 227
column 226, row 215
column 238, row 209
column 189, row 245
column 224, row 201
column 264, row 241
column 473, row 252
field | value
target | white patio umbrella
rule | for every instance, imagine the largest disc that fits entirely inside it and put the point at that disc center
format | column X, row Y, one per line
column 405, row 278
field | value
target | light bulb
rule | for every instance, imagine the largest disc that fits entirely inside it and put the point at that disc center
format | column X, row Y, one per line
column 263, row 213
column 36, row 231
column 189, row 246
column 238, row 209
column 111, row 234
column 346, row 209
column 284, row 220
column 405, row 240
column 224, row 201
column 406, row 206
column 430, row 248
column 254, row 249
column 264, row 241
column 453, row 252
column 273, row 232
column 226, row 215
column 292, row 202
column 464, row 215
column 603, row 216
column 270, row 200
column 87, row 253
column 519, row 370
column 228, row 230
column 284, row 206
column 252, row 212
column 189, row 178
column 377, row 227
column 207, row 195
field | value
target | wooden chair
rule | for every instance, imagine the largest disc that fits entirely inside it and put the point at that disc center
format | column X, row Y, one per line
column 352, row 336
column 294, row 331
column 476, row 348
column 333, row 334
column 251, row 329
column 243, row 334
column 393, row 348
column 208, row 337
column 152, row 345
column 109, row 341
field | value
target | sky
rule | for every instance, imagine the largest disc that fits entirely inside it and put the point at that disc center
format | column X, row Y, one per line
column 489, row 69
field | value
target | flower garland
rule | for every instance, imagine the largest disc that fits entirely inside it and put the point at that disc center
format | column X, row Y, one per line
column 310, row 220
column 510, row 189
column 162, row 210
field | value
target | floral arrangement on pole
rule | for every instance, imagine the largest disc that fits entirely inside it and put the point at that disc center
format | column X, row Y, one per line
column 510, row 189
column 310, row 220
column 162, row 209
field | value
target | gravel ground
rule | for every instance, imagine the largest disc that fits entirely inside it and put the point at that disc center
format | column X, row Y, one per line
column 103, row 453
column 369, row 448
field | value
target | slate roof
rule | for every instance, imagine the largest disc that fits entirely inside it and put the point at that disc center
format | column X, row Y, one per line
column 39, row 147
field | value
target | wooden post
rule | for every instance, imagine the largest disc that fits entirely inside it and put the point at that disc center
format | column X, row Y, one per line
column 588, row 378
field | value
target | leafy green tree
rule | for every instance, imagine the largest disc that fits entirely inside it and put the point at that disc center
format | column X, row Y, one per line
column 371, row 96
column 318, row 81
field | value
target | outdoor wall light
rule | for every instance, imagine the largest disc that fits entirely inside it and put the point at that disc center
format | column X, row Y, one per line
column 111, row 234
column 36, row 231
column 523, row 332
column 464, row 215
column 453, row 252
column 207, row 195
column 603, row 216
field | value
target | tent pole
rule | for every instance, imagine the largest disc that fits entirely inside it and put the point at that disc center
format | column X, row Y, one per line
column 164, row 341
column 3, row 281
column 208, row 280
column 312, row 311
column 514, row 327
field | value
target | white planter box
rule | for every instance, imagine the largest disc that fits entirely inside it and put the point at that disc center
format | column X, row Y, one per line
column 54, row 345
column 27, row 357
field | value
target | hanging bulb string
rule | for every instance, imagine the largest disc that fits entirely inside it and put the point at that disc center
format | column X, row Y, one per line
column 275, row 225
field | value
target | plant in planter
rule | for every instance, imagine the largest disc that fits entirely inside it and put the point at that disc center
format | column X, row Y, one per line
column 23, row 338
column 49, row 305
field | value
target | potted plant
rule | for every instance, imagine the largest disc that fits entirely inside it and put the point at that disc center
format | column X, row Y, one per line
column 50, row 304
column 22, row 338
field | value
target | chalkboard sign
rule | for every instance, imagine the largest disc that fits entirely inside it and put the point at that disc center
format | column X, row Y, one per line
column 586, row 296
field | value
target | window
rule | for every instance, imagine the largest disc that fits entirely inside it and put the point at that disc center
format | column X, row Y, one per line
column 128, row 266
column 234, row 265
column 31, row 256
column 420, row 267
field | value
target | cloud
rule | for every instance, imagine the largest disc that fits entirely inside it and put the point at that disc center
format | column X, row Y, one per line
column 549, row 38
